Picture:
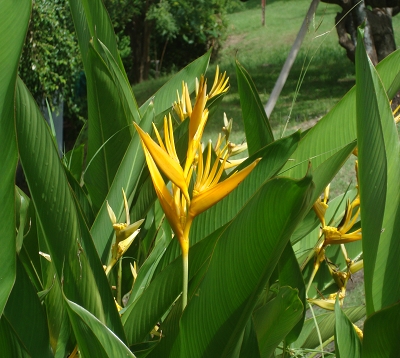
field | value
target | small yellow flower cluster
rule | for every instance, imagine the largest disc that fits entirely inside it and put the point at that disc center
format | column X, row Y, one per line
column 340, row 235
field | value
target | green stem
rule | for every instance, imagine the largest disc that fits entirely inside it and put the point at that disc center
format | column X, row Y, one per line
column 185, row 257
column 119, row 282
column 318, row 331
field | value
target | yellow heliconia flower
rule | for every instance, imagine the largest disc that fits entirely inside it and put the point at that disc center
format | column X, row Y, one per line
column 321, row 205
column 341, row 234
column 329, row 303
column 125, row 233
column 179, row 206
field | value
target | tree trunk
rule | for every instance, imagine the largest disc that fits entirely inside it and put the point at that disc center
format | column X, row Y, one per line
column 139, row 34
column 378, row 32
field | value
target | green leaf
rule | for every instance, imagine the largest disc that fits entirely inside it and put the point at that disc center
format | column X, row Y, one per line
column 256, row 238
column 127, row 178
column 24, row 306
column 274, row 157
column 249, row 343
column 9, row 344
column 275, row 319
column 326, row 321
column 338, row 128
column 256, row 125
column 290, row 275
column 347, row 342
column 22, row 211
column 92, row 20
column 109, row 131
column 379, row 172
column 74, row 161
column 140, row 317
column 93, row 337
column 69, row 242
column 381, row 333
column 14, row 19
column 60, row 330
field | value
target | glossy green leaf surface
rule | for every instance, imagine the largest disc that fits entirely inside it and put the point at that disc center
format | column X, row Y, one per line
column 24, row 306
column 290, row 275
column 381, row 333
column 93, row 337
column 127, row 177
column 70, row 246
column 274, row 157
column 14, row 19
column 91, row 19
column 275, row 319
column 256, row 125
column 326, row 323
column 379, row 172
column 347, row 342
column 218, row 313
column 109, row 132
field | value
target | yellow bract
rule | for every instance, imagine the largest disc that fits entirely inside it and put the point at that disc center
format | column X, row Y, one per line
column 125, row 233
column 179, row 207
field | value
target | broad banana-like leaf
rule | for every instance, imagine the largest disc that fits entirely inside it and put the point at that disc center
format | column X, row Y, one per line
column 126, row 178
column 326, row 322
column 9, row 343
column 379, row 172
column 74, row 161
column 68, row 239
column 92, row 20
column 145, row 274
column 381, row 333
column 14, row 19
column 256, row 125
column 93, row 337
column 274, row 157
column 140, row 317
column 24, row 307
column 223, row 302
column 274, row 320
column 347, row 342
column 60, row 329
column 109, row 131
column 338, row 128
column 290, row 275
column 249, row 344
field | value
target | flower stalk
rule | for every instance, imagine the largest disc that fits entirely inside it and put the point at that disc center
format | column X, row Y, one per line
column 180, row 206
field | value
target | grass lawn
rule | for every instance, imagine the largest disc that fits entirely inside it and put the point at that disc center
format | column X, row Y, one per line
column 262, row 50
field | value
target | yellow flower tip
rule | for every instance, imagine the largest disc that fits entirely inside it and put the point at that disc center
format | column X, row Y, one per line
column 356, row 266
column 231, row 163
column 359, row 332
column 208, row 197
column 133, row 270
column 334, row 236
column 119, row 308
column 111, row 214
column 161, row 159
column 320, row 209
column 46, row 256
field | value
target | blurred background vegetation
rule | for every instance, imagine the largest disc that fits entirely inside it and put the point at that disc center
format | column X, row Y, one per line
column 157, row 38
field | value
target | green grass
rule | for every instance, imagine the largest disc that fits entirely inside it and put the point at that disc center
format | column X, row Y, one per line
column 262, row 50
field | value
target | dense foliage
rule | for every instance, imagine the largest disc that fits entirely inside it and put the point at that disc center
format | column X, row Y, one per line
column 144, row 244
